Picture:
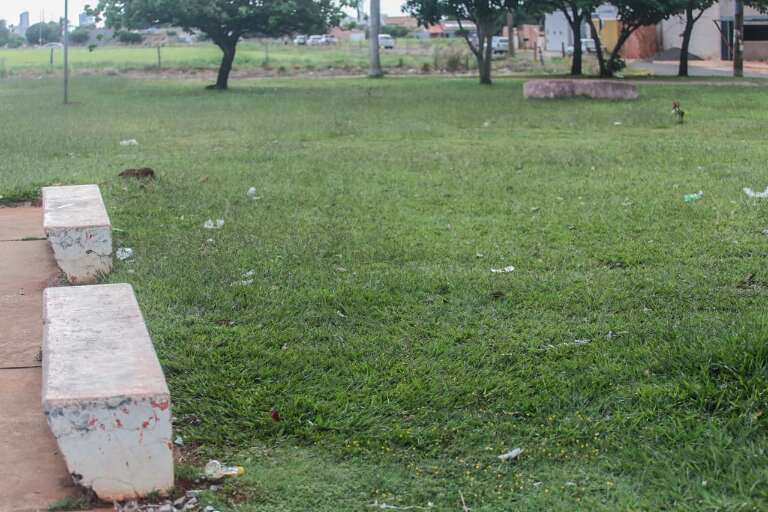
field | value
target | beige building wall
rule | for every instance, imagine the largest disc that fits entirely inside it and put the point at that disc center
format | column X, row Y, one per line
column 705, row 40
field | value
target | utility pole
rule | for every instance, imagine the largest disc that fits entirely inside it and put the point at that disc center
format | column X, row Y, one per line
column 66, row 52
column 374, row 21
column 738, row 47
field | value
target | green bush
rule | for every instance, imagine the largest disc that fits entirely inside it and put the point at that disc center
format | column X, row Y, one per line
column 80, row 36
column 15, row 41
column 126, row 37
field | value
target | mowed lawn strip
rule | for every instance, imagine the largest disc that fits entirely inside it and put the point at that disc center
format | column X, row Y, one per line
column 355, row 295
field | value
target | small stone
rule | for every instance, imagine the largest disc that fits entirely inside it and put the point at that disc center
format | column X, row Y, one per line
column 179, row 503
column 165, row 508
column 214, row 488
column 208, row 509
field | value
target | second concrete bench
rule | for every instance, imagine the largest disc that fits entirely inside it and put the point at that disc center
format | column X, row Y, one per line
column 104, row 392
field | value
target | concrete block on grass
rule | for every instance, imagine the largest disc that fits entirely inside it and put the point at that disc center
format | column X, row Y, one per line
column 78, row 229
column 104, row 392
column 565, row 88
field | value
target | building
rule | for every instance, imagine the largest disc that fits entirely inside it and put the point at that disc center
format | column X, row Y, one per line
column 86, row 20
column 408, row 22
column 713, row 34
column 559, row 36
column 23, row 26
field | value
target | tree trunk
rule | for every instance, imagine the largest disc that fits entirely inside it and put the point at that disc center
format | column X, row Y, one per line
column 738, row 47
column 484, row 53
column 576, row 29
column 374, row 61
column 511, row 32
column 683, row 68
column 598, row 47
column 228, row 48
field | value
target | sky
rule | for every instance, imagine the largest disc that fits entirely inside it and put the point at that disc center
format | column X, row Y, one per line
column 10, row 9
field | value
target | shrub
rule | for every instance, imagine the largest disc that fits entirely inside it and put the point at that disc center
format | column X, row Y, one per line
column 80, row 36
column 15, row 41
column 126, row 37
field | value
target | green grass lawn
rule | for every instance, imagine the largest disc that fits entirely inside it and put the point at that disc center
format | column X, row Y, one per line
column 409, row 52
column 349, row 56
column 401, row 366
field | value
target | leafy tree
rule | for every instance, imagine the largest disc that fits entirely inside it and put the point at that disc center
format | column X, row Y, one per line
column 15, row 41
column 80, row 35
column 126, row 37
column 5, row 34
column 633, row 14
column 43, row 33
column 488, row 16
column 225, row 22
column 576, row 12
column 691, row 17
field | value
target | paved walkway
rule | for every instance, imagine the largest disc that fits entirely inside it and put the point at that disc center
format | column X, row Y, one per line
column 32, row 472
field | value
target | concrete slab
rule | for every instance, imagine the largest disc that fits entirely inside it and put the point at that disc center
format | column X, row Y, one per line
column 21, row 223
column 104, row 391
column 78, row 229
column 565, row 88
column 27, row 265
column 32, row 472
column 27, row 268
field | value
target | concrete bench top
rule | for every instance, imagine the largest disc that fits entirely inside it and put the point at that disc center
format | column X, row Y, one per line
column 96, row 346
column 76, row 206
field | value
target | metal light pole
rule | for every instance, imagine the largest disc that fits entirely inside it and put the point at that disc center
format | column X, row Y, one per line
column 66, row 52
column 738, row 47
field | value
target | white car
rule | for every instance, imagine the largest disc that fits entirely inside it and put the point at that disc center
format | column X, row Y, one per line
column 500, row 44
column 315, row 41
column 300, row 40
column 386, row 41
column 328, row 40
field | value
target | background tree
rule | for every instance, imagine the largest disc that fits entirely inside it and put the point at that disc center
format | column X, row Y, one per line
column 374, row 57
column 576, row 13
column 488, row 16
column 5, row 34
column 225, row 22
column 690, row 8
column 43, row 33
column 632, row 15
column 80, row 35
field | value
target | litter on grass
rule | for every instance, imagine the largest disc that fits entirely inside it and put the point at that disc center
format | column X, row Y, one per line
column 385, row 506
column 129, row 142
column 123, row 253
column 252, row 193
column 215, row 470
column 511, row 455
column 690, row 198
column 752, row 193
column 503, row 270
column 209, row 224
column 179, row 441
column 574, row 343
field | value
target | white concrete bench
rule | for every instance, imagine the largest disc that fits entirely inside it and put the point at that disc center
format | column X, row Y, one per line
column 104, row 392
column 78, row 229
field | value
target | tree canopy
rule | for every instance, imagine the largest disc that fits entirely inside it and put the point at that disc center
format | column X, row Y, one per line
column 489, row 16
column 225, row 22
column 43, row 33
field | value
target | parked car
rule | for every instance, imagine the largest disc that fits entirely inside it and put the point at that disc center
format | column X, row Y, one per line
column 315, row 41
column 300, row 40
column 328, row 40
column 500, row 44
column 386, row 41
column 587, row 46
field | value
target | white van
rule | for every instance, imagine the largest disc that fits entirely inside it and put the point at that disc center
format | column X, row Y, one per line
column 386, row 41
column 500, row 44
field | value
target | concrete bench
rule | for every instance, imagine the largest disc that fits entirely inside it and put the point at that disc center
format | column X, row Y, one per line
column 104, row 392
column 78, row 229
column 565, row 88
